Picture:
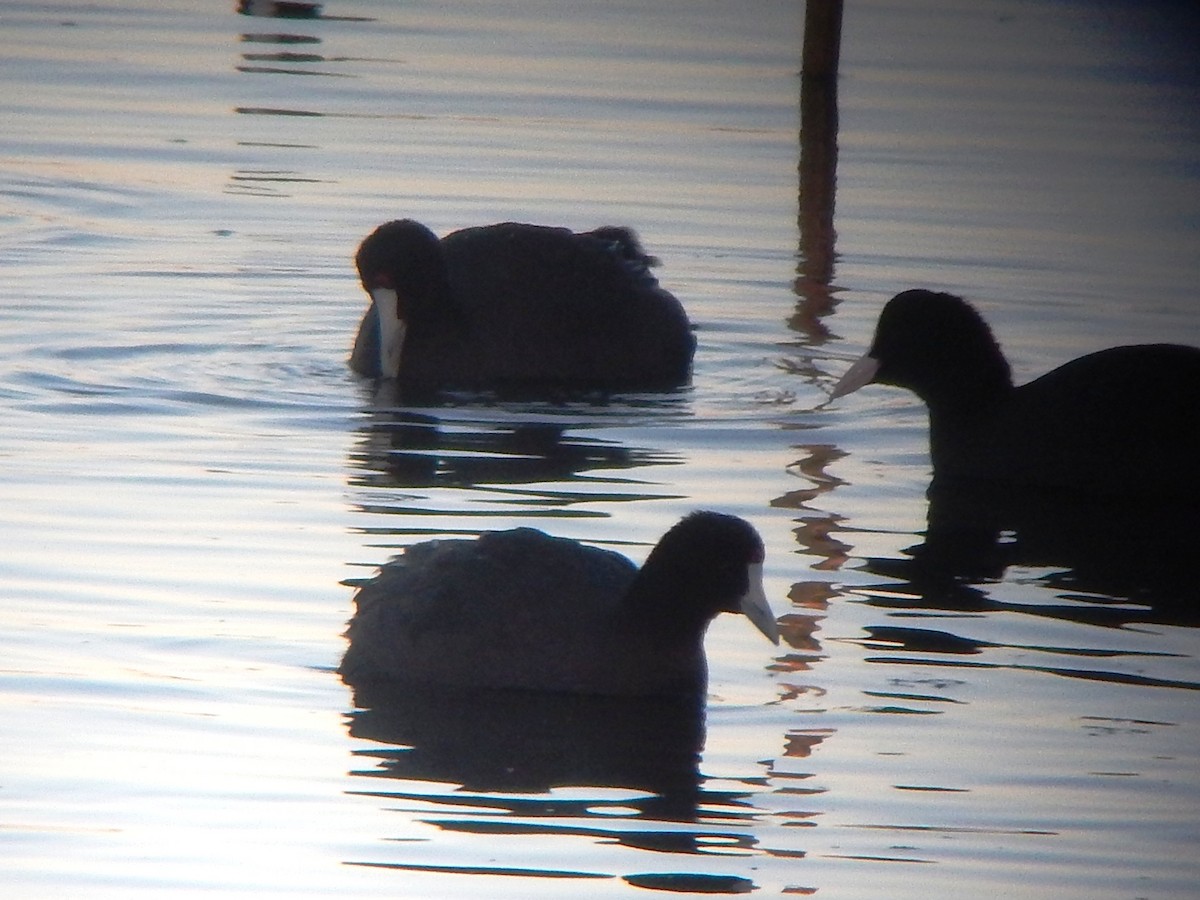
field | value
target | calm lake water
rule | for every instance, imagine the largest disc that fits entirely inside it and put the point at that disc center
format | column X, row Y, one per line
column 189, row 473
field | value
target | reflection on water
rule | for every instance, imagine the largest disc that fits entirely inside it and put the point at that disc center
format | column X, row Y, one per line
column 526, row 742
column 814, row 287
column 493, row 464
column 289, row 62
column 1100, row 562
column 623, row 772
column 274, row 182
column 280, row 9
column 816, row 529
column 1120, row 561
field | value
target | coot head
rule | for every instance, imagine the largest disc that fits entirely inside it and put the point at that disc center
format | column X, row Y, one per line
column 401, row 254
column 708, row 563
column 402, row 266
column 937, row 346
column 1122, row 420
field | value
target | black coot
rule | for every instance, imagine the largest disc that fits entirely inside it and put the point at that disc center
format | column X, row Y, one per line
column 522, row 610
column 517, row 305
column 1120, row 421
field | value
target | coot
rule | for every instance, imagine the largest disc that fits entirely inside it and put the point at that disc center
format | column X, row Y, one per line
column 1120, row 421
column 520, row 609
column 517, row 305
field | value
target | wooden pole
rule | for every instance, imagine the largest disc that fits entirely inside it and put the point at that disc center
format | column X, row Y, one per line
column 818, row 165
column 822, row 38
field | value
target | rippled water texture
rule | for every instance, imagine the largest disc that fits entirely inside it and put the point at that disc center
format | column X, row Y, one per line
column 190, row 477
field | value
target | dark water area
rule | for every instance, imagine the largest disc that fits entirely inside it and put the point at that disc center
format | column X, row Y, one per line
column 978, row 693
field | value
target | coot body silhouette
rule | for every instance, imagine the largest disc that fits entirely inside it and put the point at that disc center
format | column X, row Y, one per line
column 1120, row 421
column 523, row 610
column 517, row 305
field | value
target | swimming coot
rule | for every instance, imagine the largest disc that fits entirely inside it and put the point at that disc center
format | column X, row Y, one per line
column 1120, row 421
column 517, row 305
column 521, row 609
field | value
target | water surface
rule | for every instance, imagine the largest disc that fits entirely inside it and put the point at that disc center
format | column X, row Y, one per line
column 190, row 474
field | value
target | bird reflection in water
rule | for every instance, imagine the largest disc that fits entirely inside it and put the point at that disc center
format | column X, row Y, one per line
column 526, row 742
column 488, row 447
column 1130, row 560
